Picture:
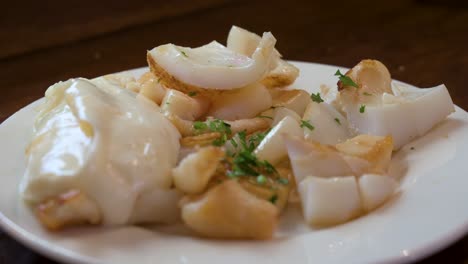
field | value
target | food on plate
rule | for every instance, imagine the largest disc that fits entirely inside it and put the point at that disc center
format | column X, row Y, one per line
column 329, row 201
column 244, row 42
column 218, row 138
column 211, row 67
column 375, row 106
column 111, row 147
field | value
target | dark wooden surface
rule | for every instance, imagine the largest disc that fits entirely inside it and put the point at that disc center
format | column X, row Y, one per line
column 422, row 42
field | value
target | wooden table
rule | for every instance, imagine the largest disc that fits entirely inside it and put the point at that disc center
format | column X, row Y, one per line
column 421, row 42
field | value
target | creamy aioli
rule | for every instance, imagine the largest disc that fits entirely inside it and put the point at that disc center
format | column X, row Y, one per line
column 115, row 147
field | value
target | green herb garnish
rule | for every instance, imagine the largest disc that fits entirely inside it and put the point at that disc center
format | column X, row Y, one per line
column 200, row 126
column 316, row 98
column 262, row 116
column 366, row 94
column 273, row 198
column 337, row 121
column 183, row 53
column 345, row 80
column 192, row 93
column 245, row 162
column 283, row 181
column 261, row 179
column 214, row 126
column 362, row 109
column 305, row 123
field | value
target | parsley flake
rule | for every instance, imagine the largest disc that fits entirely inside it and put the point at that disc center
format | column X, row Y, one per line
column 273, row 198
column 192, row 93
column 316, row 98
column 283, row 181
column 345, row 80
column 261, row 179
column 362, row 109
column 245, row 162
column 305, row 123
column 216, row 125
column 200, row 126
column 185, row 54
column 366, row 94
column 337, row 120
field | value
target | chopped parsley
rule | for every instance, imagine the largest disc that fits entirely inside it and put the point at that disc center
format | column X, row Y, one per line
column 234, row 143
column 283, row 181
column 261, row 179
column 183, row 53
column 366, row 94
column 200, row 126
column 245, row 162
column 305, row 123
column 362, row 109
column 273, row 198
column 192, row 93
column 345, row 80
column 337, row 120
column 216, row 125
column 316, row 98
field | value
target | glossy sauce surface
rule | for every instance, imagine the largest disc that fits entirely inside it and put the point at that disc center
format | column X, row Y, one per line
column 107, row 142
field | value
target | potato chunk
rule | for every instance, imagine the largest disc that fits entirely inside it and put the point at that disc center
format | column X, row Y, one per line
column 229, row 211
column 194, row 171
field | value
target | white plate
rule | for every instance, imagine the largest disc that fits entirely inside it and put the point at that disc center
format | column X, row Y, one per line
column 429, row 213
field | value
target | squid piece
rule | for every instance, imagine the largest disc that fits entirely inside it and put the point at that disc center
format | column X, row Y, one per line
column 279, row 113
column 372, row 78
column 330, row 126
column 69, row 209
column 272, row 148
column 296, row 100
column 375, row 190
column 229, row 211
column 245, row 42
column 377, row 108
column 314, row 159
column 241, row 103
column 329, row 201
column 367, row 154
column 212, row 67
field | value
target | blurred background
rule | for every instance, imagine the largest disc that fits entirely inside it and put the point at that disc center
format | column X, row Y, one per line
column 41, row 42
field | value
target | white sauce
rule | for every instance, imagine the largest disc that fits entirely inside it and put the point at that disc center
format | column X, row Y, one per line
column 106, row 142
